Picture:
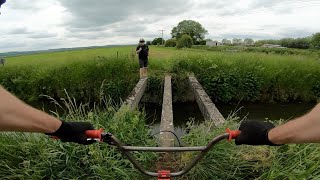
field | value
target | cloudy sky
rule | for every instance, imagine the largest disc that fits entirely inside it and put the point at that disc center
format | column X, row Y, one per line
column 46, row 24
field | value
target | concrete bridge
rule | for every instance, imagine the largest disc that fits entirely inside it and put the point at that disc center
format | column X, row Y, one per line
column 207, row 107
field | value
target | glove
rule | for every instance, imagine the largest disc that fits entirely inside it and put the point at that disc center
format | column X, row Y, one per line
column 73, row 132
column 254, row 133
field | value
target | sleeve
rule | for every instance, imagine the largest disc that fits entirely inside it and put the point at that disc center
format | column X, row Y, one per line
column 137, row 48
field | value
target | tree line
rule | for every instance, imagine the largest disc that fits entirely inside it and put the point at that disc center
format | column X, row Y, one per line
column 189, row 32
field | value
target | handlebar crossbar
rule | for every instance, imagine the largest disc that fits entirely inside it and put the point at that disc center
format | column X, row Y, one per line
column 125, row 150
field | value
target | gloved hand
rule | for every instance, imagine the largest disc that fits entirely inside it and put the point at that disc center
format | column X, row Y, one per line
column 2, row 2
column 73, row 132
column 254, row 133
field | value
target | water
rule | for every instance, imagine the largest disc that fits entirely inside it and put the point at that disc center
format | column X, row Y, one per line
column 183, row 112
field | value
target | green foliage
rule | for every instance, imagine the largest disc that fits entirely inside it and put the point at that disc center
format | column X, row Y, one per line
column 148, row 43
column 184, row 42
column 300, row 43
column 154, row 90
column 84, row 81
column 252, row 76
column 36, row 156
column 226, row 41
column 228, row 161
column 236, row 41
column 171, row 43
column 280, row 51
column 158, row 41
column 192, row 28
column 248, row 41
column 315, row 41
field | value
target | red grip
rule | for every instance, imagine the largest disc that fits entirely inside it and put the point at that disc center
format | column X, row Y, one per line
column 233, row 134
column 94, row 134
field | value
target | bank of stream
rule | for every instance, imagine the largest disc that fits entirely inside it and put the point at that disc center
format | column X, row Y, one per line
column 184, row 112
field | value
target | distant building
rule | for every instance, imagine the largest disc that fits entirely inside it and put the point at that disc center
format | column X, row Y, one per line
column 272, row 46
column 213, row 43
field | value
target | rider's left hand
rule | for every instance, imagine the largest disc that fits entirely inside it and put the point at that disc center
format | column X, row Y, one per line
column 73, row 132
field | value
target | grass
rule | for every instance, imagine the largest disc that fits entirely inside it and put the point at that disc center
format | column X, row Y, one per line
column 101, row 78
column 228, row 161
column 226, row 76
column 230, row 77
column 35, row 156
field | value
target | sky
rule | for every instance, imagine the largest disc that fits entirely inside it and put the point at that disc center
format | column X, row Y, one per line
column 47, row 24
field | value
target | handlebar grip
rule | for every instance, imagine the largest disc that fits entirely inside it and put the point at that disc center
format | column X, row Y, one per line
column 94, row 134
column 233, row 134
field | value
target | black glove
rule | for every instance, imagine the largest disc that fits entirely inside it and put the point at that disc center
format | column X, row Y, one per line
column 254, row 133
column 73, row 132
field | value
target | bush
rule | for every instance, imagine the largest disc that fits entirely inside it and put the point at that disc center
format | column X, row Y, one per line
column 170, row 43
column 84, row 80
column 157, row 41
column 253, row 77
column 185, row 42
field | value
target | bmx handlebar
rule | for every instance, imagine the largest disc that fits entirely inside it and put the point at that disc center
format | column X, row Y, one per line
column 101, row 136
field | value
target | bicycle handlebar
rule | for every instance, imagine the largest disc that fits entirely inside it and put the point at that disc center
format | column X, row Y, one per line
column 97, row 134
column 125, row 150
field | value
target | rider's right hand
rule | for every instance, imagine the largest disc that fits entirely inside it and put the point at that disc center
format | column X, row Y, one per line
column 254, row 133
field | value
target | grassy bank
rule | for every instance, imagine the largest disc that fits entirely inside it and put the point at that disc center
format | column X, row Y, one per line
column 231, row 77
column 35, row 156
column 279, row 51
column 98, row 74
column 226, row 76
column 85, row 81
column 228, row 161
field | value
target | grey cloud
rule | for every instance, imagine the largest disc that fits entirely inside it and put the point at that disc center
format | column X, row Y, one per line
column 103, row 12
column 247, row 35
column 19, row 30
column 294, row 32
column 261, row 6
column 11, row 44
column 25, row 5
column 42, row 35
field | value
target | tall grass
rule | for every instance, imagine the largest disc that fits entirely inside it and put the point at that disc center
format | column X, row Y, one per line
column 35, row 156
column 228, row 161
column 114, row 77
column 229, row 77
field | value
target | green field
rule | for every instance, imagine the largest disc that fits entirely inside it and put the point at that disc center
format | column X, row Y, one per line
column 226, row 76
column 98, row 79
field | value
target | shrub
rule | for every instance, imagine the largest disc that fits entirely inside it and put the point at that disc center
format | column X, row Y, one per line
column 185, row 42
column 170, row 43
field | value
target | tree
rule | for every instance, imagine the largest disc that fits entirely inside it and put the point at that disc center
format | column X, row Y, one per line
column 226, row 41
column 315, row 40
column 185, row 42
column 157, row 41
column 148, row 43
column 192, row 28
column 236, row 41
column 248, row 41
column 171, row 43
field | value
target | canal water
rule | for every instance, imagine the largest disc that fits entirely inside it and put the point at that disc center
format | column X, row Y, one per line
column 184, row 112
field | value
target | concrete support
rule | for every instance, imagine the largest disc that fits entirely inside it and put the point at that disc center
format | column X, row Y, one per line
column 167, row 138
column 135, row 96
column 207, row 107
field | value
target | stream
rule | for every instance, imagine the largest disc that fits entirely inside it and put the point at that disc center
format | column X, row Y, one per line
column 184, row 112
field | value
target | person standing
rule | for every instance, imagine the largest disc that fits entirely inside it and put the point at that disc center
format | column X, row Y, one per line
column 143, row 53
column 2, row 61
